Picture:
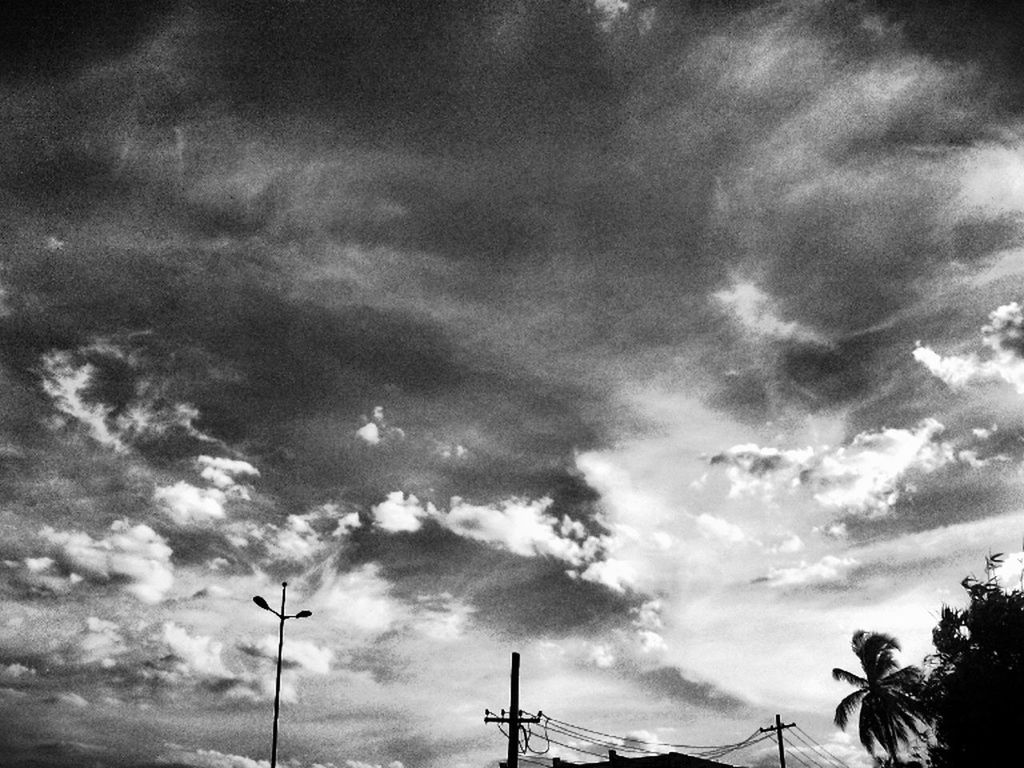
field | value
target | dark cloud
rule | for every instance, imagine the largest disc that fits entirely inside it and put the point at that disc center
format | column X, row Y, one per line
column 672, row 683
column 972, row 31
column 55, row 38
column 515, row 596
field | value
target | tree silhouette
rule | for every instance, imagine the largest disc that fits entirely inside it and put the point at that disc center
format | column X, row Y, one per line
column 977, row 675
column 888, row 695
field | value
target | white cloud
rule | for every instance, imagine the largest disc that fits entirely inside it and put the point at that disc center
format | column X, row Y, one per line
column 71, row 700
column 369, row 432
column 135, row 554
column 441, row 617
column 518, row 525
column 753, row 309
column 101, row 642
column 198, row 655
column 716, row 528
column 222, row 472
column 297, row 540
column 789, row 545
column 1010, row 572
column 613, row 573
column 992, row 183
column 601, row 656
column 66, row 382
column 208, row 758
column 400, row 513
column 359, row 600
column 376, row 430
column 186, row 504
column 829, row 568
column 298, row 654
column 867, row 475
column 361, row 764
column 1004, row 336
column 68, row 376
column 16, row 672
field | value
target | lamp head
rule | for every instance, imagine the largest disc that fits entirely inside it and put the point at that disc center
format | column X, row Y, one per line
column 303, row 614
column 261, row 603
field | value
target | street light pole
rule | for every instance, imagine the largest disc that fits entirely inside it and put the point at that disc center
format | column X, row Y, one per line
column 282, row 616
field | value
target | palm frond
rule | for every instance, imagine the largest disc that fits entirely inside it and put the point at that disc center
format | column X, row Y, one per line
column 846, row 707
column 902, row 677
column 848, row 677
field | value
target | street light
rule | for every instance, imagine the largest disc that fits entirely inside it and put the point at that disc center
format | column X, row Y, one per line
column 280, row 650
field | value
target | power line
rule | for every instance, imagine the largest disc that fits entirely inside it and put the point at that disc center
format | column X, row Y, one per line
column 793, row 755
column 599, row 742
column 619, row 741
column 801, row 755
column 829, row 760
column 838, row 761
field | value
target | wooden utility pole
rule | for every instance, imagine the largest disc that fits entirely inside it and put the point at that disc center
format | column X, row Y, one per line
column 778, row 728
column 515, row 716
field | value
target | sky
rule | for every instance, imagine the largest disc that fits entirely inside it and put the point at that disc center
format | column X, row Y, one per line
column 666, row 344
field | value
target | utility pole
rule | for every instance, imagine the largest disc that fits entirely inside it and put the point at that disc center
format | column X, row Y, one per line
column 515, row 716
column 778, row 728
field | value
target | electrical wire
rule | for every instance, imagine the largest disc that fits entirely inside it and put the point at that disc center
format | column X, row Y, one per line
column 828, row 760
column 529, row 733
column 797, row 757
column 620, row 741
column 802, row 756
column 577, row 749
column 736, row 748
column 838, row 761
column 600, row 742
column 609, row 741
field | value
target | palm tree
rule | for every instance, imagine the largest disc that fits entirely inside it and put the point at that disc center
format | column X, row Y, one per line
column 887, row 695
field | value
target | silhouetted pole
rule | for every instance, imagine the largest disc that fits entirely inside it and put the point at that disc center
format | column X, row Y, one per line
column 778, row 728
column 515, row 716
column 280, row 654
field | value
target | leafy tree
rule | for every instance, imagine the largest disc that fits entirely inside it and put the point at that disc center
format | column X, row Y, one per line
column 888, row 695
column 977, row 677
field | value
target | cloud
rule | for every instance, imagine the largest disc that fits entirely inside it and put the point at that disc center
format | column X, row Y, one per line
column 296, row 541
column 133, row 554
column 1010, row 572
column 360, row 600
column 70, row 699
column 441, row 617
column 223, row 473
column 376, row 430
column 101, row 643
column 103, row 387
column 865, row 476
column 298, row 654
column 187, row 505
column 66, row 382
column 830, row 568
column 520, row 526
column 616, row 574
column 717, row 528
column 1004, row 336
column 672, row 683
column 753, row 309
column 195, row 656
column 197, row 660
column 15, row 672
column 399, row 513
column 209, row 758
